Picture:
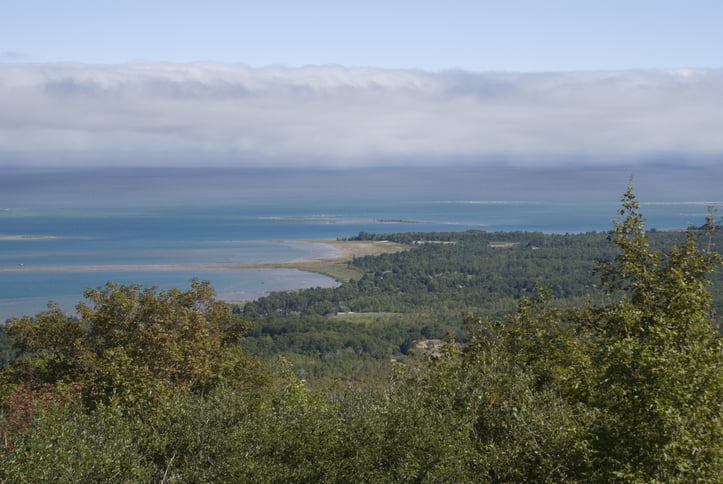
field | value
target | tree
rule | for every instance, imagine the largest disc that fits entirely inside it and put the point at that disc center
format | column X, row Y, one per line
column 660, row 359
column 626, row 389
column 629, row 389
column 133, row 343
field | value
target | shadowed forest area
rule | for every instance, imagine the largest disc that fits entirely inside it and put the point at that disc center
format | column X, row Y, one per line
column 471, row 357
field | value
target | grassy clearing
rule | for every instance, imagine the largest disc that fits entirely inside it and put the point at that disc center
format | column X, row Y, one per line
column 365, row 317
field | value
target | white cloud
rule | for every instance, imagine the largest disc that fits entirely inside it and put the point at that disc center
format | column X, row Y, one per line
column 174, row 113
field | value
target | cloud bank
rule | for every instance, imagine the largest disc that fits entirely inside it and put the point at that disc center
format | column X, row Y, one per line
column 155, row 113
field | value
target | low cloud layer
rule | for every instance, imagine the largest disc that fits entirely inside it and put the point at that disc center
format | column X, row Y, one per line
column 151, row 113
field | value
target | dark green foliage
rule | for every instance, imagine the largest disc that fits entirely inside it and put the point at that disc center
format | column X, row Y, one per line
column 479, row 416
column 431, row 287
column 7, row 350
column 659, row 355
column 454, row 270
column 70, row 446
column 626, row 387
column 132, row 344
column 627, row 390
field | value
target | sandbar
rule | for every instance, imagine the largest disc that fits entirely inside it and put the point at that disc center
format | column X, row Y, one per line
column 335, row 266
column 26, row 237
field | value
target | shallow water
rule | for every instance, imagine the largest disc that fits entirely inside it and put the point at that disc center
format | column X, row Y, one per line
column 60, row 234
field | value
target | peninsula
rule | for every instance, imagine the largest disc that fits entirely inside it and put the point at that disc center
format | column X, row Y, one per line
column 335, row 267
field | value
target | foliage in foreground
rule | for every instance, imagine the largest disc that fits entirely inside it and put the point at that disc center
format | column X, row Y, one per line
column 628, row 389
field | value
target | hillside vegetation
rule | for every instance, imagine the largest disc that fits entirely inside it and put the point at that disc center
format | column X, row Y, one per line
column 428, row 292
column 608, row 378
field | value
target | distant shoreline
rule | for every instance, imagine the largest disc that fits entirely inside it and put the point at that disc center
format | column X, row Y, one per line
column 334, row 266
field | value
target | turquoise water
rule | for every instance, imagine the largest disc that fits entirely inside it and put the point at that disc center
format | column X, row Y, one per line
column 60, row 234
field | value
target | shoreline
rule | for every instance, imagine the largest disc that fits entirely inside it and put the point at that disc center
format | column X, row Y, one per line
column 334, row 266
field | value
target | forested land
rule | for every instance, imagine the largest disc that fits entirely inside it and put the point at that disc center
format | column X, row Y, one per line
column 428, row 292
column 538, row 370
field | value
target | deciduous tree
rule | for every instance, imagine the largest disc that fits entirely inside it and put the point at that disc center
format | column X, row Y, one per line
column 133, row 343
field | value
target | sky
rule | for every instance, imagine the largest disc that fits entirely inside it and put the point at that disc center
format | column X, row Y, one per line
column 350, row 84
column 475, row 35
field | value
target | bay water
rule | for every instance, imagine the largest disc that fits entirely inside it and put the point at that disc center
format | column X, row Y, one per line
column 63, row 231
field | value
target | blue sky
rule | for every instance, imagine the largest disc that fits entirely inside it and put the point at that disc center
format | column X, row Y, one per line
column 521, row 83
column 477, row 35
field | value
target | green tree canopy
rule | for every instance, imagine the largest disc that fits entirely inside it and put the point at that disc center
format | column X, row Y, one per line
column 133, row 343
column 659, row 358
column 627, row 387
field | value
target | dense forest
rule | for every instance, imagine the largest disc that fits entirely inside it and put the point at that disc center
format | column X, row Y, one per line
column 355, row 331
column 470, row 357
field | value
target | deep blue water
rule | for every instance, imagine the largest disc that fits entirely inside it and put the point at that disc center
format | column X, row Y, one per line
column 90, row 221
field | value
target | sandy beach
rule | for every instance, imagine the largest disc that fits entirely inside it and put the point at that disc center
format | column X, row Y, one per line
column 335, row 267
